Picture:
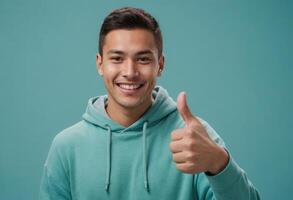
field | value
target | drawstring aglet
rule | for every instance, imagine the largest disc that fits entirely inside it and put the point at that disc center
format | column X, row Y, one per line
column 146, row 186
column 107, row 186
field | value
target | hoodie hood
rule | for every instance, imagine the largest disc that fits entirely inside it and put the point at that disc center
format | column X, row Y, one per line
column 162, row 106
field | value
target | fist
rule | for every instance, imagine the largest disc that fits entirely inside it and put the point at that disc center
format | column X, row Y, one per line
column 192, row 149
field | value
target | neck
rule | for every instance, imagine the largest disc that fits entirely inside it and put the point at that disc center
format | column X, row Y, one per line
column 126, row 115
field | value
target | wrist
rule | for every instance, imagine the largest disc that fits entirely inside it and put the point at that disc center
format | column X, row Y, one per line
column 220, row 161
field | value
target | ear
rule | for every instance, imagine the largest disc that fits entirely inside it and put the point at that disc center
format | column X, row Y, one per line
column 161, row 64
column 99, row 64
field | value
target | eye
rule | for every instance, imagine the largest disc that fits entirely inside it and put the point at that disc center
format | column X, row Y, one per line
column 116, row 59
column 144, row 60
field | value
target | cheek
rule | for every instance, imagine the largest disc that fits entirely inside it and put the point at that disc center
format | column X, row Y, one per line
column 150, row 72
column 110, row 71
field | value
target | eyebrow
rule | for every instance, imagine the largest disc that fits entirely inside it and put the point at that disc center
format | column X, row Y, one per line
column 114, row 51
column 144, row 52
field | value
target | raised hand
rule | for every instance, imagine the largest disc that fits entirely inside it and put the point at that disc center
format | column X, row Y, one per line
column 192, row 149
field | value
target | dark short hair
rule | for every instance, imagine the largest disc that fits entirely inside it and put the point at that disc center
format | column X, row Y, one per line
column 130, row 18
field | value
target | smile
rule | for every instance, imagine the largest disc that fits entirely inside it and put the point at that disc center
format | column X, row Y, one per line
column 129, row 86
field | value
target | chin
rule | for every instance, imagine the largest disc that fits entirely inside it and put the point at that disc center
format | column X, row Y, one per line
column 130, row 104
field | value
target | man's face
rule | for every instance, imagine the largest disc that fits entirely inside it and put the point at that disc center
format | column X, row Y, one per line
column 130, row 66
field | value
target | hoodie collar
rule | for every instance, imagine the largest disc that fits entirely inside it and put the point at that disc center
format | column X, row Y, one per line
column 162, row 106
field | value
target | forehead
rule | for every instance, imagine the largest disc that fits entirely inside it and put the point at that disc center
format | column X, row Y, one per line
column 130, row 41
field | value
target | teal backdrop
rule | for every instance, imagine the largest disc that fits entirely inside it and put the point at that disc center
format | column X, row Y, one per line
column 233, row 59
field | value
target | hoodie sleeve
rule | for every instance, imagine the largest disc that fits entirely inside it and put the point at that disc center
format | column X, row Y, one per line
column 231, row 183
column 55, row 181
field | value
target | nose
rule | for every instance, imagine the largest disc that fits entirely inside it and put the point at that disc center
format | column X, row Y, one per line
column 130, row 70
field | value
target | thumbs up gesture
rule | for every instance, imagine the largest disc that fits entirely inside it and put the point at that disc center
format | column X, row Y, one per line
column 192, row 149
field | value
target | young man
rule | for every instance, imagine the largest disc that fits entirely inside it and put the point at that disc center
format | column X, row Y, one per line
column 136, row 142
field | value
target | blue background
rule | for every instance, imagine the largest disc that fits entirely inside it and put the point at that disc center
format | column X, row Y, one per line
column 233, row 59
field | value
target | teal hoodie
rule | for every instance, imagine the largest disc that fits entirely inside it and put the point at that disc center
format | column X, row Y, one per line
column 98, row 158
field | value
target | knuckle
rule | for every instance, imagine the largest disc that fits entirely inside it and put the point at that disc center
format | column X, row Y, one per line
column 189, row 156
column 190, row 144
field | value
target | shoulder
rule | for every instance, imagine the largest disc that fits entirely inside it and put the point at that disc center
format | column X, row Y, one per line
column 72, row 135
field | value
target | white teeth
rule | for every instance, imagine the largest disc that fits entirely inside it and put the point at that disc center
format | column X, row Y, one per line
column 129, row 87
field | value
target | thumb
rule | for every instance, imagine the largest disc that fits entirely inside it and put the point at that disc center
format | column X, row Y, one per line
column 183, row 108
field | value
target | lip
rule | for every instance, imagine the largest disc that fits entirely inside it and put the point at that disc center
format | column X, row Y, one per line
column 130, row 92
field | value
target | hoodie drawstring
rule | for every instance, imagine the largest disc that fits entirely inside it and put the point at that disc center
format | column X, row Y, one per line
column 145, row 155
column 108, row 170
column 145, row 161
